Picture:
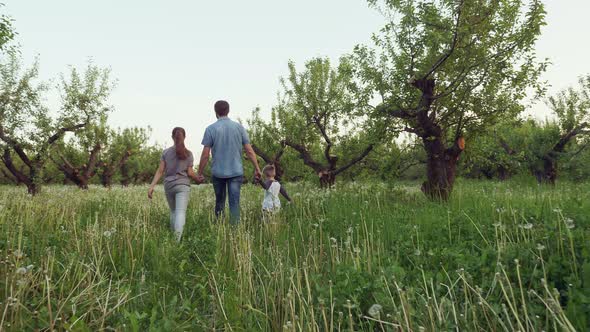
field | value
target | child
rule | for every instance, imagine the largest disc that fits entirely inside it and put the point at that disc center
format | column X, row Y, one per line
column 271, row 203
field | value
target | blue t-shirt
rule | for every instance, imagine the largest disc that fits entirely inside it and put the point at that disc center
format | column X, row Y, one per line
column 226, row 139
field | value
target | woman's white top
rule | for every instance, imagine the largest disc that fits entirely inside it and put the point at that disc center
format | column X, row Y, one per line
column 271, row 200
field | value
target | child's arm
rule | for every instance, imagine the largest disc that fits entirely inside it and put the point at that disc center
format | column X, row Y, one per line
column 264, row 184
column 283, row 192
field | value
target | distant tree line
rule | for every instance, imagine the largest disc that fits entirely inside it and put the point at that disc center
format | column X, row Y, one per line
column 438, row 94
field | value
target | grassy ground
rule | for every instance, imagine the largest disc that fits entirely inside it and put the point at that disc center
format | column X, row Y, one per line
column 498, row 256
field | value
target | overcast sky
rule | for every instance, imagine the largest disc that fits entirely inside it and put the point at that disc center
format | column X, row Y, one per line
column 173, row 59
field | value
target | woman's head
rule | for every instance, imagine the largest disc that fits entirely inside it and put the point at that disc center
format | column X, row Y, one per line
column 269, row 171
column 178, row 135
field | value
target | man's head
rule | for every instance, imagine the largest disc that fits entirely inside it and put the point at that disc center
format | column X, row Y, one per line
column 269, row 171
column 221, row 108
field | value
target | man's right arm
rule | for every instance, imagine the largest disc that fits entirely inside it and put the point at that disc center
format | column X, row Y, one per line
column 204, row 160
column 207, row 143
column 252, row 156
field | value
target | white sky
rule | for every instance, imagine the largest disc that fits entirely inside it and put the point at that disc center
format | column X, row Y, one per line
column 173, row 59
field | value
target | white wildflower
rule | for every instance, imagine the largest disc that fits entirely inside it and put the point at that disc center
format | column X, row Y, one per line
column 21, row 270
column 528, row 226
column 375, row 311
column 18, row 254
column 540, row 247
column 349, row 305
column 569, row 223
column 107, row 234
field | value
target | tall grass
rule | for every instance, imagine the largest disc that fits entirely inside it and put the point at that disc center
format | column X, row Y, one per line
column 497, row 257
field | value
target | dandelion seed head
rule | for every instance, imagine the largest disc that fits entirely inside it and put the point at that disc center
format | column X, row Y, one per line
column 375, row 311
column 18, row 254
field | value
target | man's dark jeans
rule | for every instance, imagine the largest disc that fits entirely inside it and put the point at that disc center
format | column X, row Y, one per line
column 222, row 186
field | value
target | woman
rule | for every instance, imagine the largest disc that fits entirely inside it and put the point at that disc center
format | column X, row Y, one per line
column 177, row 166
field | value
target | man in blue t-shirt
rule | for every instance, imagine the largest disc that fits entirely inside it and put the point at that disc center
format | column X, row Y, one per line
column 226, row 139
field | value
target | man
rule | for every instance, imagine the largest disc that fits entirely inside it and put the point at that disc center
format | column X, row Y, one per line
column 226, row 139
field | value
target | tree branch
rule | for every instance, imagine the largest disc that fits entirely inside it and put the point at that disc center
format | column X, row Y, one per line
column 322, row 128
column 89, row 171
column 8, row 176
column 354, row 160
column 61, row 131
column 506, row 147
column 7, row 160
column 396, row 113
column 261, row 154
column 450, row 51
column 560, row 146
column 306, row 156
column 16, row 147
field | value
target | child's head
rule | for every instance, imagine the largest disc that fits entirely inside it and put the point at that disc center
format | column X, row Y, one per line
column 269, row 171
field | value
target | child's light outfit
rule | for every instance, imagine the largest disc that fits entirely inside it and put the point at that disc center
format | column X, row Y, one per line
column 271, row 200
column 272, row 203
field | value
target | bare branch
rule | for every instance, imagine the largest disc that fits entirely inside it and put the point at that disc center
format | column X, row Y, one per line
column 61, row 131
column 261, row 154
column 306, row 156
column 7, row 159
column 16, row 147
column 354, row 160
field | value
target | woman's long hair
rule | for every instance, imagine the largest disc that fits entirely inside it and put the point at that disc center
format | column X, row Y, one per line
column 178, row 134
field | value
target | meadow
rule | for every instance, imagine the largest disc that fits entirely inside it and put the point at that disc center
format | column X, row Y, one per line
column 499, row 256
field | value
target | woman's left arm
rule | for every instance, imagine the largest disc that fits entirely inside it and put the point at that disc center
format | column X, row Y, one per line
column 191, row 174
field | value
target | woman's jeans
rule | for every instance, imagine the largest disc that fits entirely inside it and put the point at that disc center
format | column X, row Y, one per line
column 222, row 186
column 178, row 197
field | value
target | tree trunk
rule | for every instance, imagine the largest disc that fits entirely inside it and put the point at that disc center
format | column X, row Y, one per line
column 83, row 184
column 327, row 179
column 125, row 179
column 274, row 160
column 32, row 188
column 32, row 182
column 503, row 173
column 549, row 172
column 279, row 170
column 440, row 170
column 106, row 179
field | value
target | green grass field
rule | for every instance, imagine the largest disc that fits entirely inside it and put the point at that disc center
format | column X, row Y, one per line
column 497, row 257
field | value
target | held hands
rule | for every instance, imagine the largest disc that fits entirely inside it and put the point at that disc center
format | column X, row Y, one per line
column 200, row 179
column 257, row 174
